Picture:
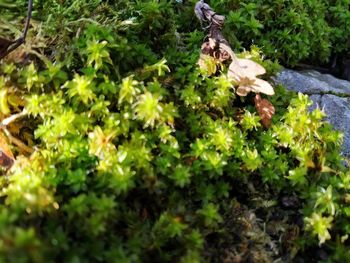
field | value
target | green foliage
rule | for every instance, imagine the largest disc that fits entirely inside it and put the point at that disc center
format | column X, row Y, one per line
column 290, row 31
column 139, row 155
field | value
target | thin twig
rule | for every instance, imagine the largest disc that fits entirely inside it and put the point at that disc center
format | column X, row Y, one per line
column 29, row 16
column 21, row 39
column 12, row 118
column 17, row 142
column 3, row 126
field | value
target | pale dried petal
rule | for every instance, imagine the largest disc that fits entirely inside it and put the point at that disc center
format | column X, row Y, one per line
column 235, row 71
column 244, row 81
column 262, row 86
column 251, row 66
column 212, row 43
column 245, row 68
column 228, row 49
column 243, row 90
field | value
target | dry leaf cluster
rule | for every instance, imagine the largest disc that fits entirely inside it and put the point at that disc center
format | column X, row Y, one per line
column 244, row 72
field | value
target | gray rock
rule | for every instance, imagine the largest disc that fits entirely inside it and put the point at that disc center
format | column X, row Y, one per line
column 327, row 93
column 317, row 101
column 312, row 82
column 337, row 85
column 338, row 114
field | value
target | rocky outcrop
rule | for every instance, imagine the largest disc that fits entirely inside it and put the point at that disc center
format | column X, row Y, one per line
column 328, row 93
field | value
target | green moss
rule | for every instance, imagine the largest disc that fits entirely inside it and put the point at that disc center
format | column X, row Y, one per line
column 139, row 156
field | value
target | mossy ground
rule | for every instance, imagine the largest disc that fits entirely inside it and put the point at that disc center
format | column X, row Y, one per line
column 140, row 157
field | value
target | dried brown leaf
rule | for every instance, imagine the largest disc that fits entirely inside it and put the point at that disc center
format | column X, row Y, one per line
column 265, row 110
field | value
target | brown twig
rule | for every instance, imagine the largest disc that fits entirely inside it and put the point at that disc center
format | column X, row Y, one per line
column 17, row 142
column 12, row 118
column 12, row 45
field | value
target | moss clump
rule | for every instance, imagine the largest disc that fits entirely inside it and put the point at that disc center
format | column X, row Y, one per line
column 139, row 157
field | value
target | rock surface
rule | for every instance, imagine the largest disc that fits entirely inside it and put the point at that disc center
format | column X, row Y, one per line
column 327, row 92
column 313, row 82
